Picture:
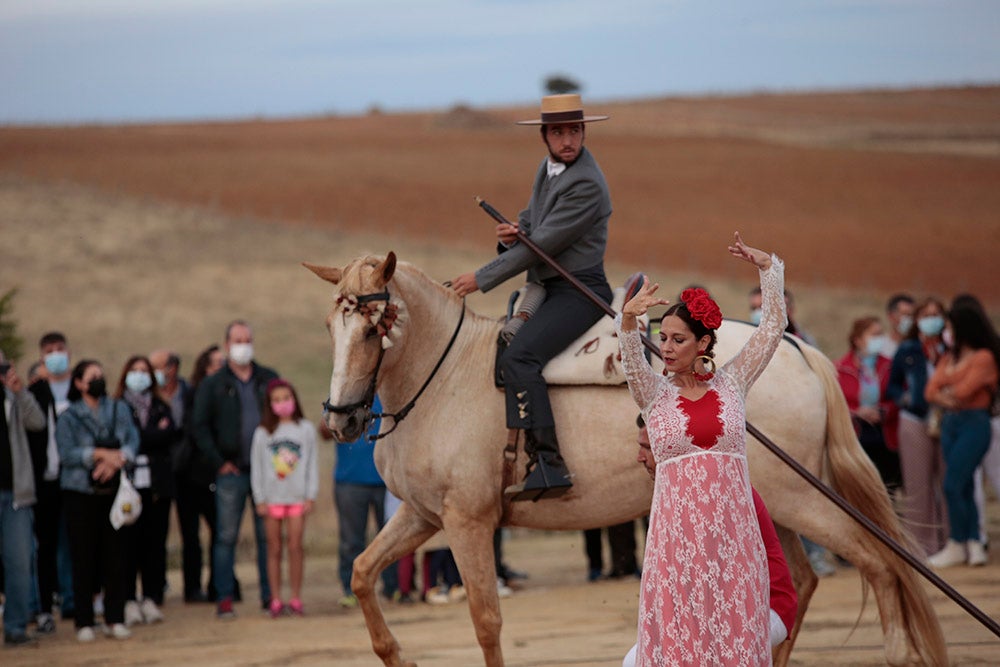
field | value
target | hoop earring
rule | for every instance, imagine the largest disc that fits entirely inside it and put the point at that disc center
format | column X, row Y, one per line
column 705, row 361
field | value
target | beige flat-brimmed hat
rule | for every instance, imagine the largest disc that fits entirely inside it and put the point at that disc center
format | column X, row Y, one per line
column 557, row 109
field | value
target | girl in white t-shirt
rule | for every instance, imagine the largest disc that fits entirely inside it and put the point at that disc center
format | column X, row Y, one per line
column 284, row 480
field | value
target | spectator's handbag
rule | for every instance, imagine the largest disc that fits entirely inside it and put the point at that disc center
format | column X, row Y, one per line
column 127, row 505
column 934, row 421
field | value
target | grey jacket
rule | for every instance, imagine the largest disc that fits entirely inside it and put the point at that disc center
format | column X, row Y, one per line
column 25, row 415
column 567, row 217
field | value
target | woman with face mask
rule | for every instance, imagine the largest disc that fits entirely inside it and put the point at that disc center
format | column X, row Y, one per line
column 919, row 450
column 96, row 438
column 863, row 374
column 154, row 480
column 964, row 384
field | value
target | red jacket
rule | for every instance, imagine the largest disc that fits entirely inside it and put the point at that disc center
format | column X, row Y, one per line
column 849, row 376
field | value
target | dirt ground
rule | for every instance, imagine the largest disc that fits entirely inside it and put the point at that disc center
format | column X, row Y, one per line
column 555, row 618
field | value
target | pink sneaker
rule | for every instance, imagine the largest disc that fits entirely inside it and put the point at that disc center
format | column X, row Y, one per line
column 296, row 606
column 277, row 608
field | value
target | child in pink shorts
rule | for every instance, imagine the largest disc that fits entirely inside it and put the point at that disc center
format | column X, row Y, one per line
column 284, row 480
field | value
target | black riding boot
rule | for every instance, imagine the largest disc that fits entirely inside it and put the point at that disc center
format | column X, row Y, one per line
column 547, row 474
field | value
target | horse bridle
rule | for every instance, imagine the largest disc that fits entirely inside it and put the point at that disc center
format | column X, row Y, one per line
column 369, row 397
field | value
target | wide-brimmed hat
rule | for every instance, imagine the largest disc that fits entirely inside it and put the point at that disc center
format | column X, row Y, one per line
column 558, row 109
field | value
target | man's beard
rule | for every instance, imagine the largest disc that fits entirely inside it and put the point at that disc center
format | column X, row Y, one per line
column 555, row 157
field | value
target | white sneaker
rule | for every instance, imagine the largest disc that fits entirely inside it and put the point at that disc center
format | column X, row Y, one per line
column 85, row 634
column 118, row 631
column 952, row 554
column 977, row 553
column 503, row 590
column 437, row 596
column 150, row 612
column 133, row 615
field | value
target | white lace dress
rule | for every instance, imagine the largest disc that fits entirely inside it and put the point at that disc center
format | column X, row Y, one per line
column 704, row 597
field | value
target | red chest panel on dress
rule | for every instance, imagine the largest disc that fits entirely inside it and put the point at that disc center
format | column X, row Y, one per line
column 704, row 426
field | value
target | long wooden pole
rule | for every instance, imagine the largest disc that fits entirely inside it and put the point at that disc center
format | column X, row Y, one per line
column 837, row 499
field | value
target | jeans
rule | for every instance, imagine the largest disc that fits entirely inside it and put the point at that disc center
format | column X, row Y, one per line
column 965, row 439
column 231, row 495
column 354, row 503
column 17, row 539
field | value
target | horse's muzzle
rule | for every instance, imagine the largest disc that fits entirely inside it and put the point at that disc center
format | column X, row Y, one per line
column 348, row 427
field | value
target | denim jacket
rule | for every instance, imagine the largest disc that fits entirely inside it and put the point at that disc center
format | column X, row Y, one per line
column 75, row 431
column 908, row 377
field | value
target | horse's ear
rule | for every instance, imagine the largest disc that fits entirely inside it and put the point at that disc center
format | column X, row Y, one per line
column 327, row 273
column 385, row 270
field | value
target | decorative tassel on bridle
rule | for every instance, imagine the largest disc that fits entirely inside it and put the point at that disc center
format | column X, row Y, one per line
column 375, row 308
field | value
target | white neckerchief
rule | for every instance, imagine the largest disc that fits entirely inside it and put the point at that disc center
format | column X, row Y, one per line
column 555, row 168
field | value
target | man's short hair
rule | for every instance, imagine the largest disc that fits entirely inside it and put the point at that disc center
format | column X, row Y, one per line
column 51, row 338
column 897, row 299
column 237, row 323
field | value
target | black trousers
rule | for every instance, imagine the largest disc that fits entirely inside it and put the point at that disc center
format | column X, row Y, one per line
column 621, row 540
column 146, row 548
column 562, row 318
column 47, row 510
column 194, row 501
column 98, row 553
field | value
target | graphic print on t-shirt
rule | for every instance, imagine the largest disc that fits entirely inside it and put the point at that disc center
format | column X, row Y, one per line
column 285, row 455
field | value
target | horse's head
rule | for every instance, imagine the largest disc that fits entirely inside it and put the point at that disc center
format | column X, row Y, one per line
column 361, row 327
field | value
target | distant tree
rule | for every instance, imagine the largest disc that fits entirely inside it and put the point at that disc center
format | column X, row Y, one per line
column 560, row 84
column 10, row 342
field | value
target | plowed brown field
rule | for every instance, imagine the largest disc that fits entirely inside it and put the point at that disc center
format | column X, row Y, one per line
column 871, row 190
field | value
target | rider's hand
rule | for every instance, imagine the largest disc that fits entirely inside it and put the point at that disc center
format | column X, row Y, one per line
column 465, row 284
column 507, row 233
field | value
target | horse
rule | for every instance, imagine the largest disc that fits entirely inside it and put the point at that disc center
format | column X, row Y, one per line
column 395, row 330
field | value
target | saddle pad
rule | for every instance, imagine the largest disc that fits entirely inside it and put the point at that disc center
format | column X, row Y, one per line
column 593, row 358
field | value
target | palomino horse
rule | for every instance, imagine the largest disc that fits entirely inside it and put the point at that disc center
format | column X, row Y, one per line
column 445, row 459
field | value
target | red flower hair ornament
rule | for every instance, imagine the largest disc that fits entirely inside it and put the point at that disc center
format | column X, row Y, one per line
column 702, row 307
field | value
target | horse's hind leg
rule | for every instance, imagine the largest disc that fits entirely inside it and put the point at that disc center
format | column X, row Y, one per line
column 404, row 533
column 804, row 580
column 471, row 543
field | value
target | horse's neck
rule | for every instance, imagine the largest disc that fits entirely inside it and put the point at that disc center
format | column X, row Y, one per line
column 432, row 316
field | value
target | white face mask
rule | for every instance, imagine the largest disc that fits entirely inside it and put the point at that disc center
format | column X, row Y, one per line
column 755, row 316
column 905, row 322
column 137, row 381
column 874, row 345
column 241, row 354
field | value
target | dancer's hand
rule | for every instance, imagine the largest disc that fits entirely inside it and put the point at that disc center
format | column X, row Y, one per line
column 740, row 250
column 640, row 304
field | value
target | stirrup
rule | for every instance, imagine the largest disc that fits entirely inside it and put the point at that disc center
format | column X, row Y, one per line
column 542, row 482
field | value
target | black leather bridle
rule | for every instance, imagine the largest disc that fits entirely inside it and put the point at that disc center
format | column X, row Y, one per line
column 368, row 400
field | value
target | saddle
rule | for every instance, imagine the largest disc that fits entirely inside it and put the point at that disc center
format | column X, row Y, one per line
column 592, row 359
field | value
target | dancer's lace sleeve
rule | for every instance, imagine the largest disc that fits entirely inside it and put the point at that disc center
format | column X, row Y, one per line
column 643, row 382
column 750, row 362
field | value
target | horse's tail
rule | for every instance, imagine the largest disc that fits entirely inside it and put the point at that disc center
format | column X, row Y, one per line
column 856, row 479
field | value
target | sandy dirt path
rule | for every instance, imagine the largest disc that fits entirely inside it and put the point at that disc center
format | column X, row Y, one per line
column 555, row 619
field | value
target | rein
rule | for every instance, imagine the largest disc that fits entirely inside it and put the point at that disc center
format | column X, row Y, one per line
column 369, row 397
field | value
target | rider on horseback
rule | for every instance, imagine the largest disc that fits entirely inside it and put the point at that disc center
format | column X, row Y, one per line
column 567, row 217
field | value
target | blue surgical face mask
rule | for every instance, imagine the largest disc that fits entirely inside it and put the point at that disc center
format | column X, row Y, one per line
column 873, row 346
column 57, row 362
column 755, row 315
column 932, row 325
column 137, row 381
column 161, row 377
column 905, row 322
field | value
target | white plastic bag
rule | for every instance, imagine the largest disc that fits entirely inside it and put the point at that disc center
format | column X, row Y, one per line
column 127, row 506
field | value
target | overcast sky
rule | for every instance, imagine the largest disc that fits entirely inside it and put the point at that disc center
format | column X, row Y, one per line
column 71, row 61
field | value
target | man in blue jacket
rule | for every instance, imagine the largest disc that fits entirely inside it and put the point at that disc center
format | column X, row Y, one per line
column 567, row 217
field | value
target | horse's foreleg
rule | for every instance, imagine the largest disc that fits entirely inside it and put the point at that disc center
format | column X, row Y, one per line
column 804, row 580
column 404, row 533
column 471, row 543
